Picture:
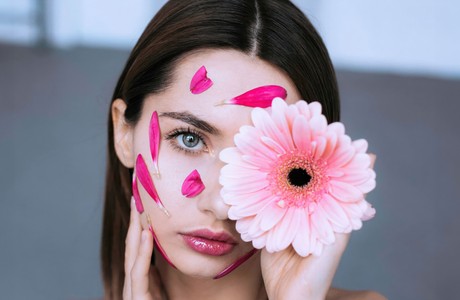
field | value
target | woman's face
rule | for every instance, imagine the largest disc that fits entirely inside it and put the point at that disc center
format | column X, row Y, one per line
column 194, row 129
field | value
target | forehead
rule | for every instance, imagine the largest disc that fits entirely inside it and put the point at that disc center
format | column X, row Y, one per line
column 232, row 72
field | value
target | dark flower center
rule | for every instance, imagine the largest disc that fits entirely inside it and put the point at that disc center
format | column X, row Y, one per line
column 299, row 177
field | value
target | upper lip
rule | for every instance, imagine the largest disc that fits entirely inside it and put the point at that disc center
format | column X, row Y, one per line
column 220, row 236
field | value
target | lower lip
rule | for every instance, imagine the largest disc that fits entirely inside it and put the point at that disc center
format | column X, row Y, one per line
column 209, row 247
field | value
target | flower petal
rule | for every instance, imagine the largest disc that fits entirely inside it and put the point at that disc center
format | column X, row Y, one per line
column 143, row 175
column 344, row 192
column 136, row 196
column 154, row 139
column 200, row 81
column 301, row 134
column 192, row 185
column 261, row 96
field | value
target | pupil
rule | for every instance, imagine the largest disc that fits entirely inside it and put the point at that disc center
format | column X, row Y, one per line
column 298, row 177
column 190, row 140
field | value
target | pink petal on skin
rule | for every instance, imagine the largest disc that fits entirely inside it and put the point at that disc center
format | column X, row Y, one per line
column 137, row 197
column 261, row 96
column 160, row 249
column 146, row 181
column 192, row 185
column 236, row 264
column 154, row 139
column 200, row 82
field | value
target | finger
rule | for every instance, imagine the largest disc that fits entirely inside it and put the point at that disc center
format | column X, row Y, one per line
column 373, row 158
column 140, row 273
column 131, row 248
column 133, row 238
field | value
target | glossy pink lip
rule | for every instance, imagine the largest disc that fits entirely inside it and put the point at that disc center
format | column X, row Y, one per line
column 208, row 242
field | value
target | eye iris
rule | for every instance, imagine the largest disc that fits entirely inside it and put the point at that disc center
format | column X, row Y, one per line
column 190, row 140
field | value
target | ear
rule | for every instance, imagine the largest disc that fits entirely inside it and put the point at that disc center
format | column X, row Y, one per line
column 122, row 134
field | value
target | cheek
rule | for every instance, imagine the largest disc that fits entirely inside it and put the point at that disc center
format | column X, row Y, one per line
column 181, row 179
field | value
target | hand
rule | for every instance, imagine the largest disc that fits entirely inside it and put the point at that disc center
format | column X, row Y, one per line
column 287, row 275
column 141, row 280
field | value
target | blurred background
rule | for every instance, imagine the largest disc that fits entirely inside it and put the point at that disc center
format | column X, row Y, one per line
column 398, row 68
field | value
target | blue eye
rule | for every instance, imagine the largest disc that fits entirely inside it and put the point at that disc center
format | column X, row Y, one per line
column 190, row 141
column 187, row 140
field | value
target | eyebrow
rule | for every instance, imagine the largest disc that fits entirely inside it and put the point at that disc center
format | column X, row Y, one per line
column 192, row 120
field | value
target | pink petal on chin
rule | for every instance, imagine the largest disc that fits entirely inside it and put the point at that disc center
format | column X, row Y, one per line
column 261, row 96
column 192, row 185
column 143, row 175
column 200, row 82
column 154, row 139
column 137, row 197
column 344, row 192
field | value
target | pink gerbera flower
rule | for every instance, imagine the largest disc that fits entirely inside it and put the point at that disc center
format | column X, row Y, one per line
column 294, row 179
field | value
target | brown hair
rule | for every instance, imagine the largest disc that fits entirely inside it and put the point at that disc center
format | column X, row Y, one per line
column 274, row 30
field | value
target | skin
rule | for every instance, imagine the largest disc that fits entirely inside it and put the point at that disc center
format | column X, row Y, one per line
column 282, row 275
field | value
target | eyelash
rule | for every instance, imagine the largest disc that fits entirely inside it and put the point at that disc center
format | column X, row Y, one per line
column 179, row 131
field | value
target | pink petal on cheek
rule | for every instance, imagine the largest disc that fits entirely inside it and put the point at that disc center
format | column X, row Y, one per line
column 200, row 82
column 154, row 139
column 192, row 185
column 261, row 96
column 137, row 197
column 146, row 181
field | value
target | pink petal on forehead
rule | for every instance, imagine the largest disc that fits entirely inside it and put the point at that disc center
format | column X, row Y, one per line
column 200, row 82
column 137, row 197
column 261, row 96
column 154, row 139
column 146, row 181
column 192, row 185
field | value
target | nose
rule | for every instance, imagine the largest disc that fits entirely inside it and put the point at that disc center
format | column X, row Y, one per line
column 210, row 200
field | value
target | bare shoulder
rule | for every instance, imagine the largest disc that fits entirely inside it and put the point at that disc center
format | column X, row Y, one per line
column 339, row 294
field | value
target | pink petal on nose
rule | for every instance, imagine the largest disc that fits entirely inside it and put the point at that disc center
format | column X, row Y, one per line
column 200, row 82
column 146, row 181
column 192, row 185
column 154, row 139
column 261, row 96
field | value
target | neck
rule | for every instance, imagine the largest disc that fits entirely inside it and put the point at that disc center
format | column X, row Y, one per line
column 243, row 283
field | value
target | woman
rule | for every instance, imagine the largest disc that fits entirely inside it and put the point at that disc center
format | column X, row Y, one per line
column 240, row 45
